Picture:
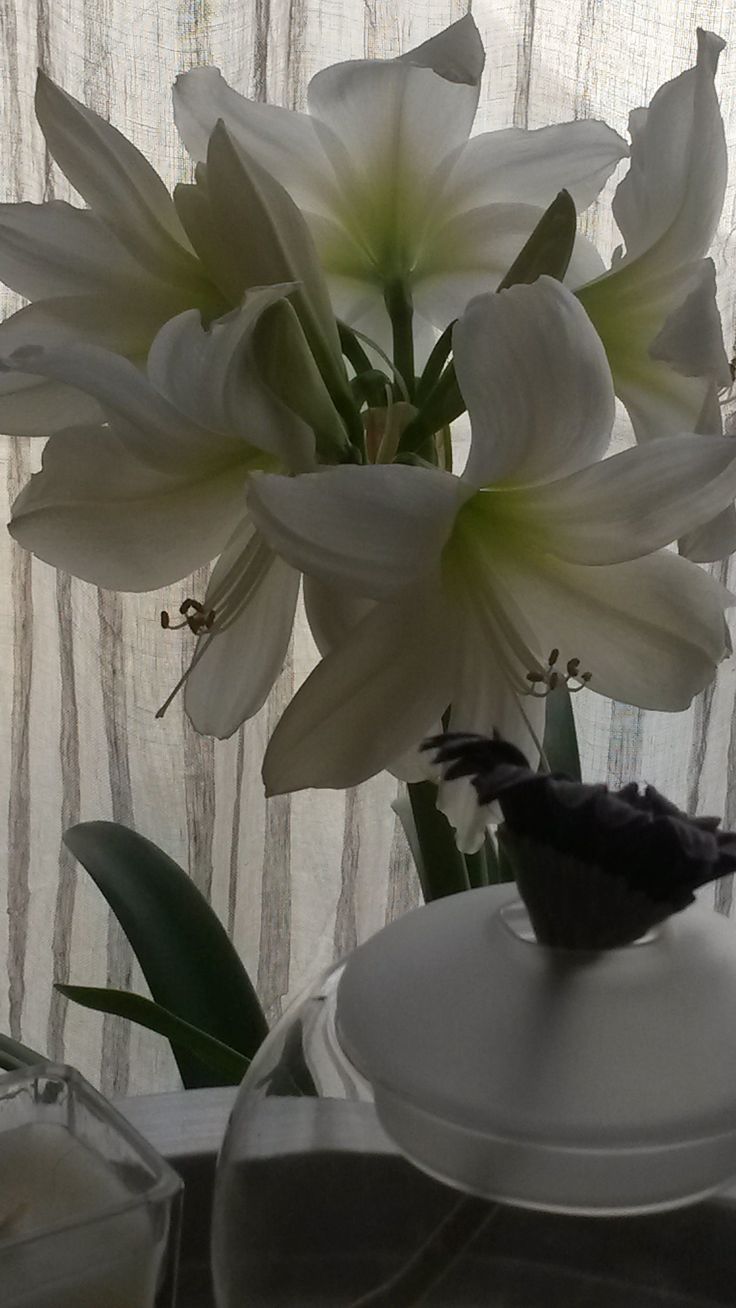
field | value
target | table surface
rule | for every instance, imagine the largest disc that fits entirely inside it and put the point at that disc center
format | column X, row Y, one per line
column 187, row 1128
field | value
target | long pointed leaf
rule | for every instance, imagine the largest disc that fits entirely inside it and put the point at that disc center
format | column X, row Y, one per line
column 549, row 248
column 187, row 959
column 560, row 735
column 228, row 1065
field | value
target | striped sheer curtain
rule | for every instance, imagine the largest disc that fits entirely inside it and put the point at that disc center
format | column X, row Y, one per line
column 297, row 880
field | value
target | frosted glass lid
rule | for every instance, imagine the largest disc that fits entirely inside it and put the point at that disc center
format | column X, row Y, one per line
column 601, row 1082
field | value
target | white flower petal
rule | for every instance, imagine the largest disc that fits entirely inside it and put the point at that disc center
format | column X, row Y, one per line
column 281, row 140
column 126, row 327
column 372, row 698
column 100, row 514
column 535, row 379
column 651, row 631
column 387, row 126
column 30, row 406
column 345, row 257
column 331, row 612
column 456, row 53
column 54, row 249
column 388, row 117
column 635, row 502
column 209, row 375
column 663, row 337
column 279, row 248
column 661, row 400
column 473, row 251
column 668, row 205
column 151, row 429
column 526, row 167
column 484, row 702
column 33, row 406
column 234, row 669
column 413, row 764
column 119, row 185
column 715, row 540
column 691, row 337
column 374, row 529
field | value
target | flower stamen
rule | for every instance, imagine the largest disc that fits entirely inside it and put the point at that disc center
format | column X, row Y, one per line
column 195, row 617
column 547, row 680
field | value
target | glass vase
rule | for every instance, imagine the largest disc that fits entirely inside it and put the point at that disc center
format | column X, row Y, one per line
column 339, row 1188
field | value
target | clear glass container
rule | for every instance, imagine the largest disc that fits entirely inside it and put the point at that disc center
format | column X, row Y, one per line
column 315, row 1204
column 89, row 1213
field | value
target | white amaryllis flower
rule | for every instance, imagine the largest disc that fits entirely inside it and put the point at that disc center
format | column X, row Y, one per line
column 392, row 188
column 114, row 273
column 656, row 310
column 160, row 491
column 538, row 546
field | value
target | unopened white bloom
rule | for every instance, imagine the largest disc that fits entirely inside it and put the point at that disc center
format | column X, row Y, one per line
column 540, row 545
column 392, row 188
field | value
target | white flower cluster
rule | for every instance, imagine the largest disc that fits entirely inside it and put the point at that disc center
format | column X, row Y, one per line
column 264, row 372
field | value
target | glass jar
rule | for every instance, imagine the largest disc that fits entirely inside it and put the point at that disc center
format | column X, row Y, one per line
column 316, row 1205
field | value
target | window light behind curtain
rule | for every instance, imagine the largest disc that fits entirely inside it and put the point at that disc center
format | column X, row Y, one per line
column 297, row 880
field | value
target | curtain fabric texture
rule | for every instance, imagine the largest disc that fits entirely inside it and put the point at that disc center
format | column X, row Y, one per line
column 299, row 880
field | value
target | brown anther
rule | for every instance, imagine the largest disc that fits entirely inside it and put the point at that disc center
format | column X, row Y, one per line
column 195, row 616
column 572, row 678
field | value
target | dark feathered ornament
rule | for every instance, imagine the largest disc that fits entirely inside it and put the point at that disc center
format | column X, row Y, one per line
column 596, row 868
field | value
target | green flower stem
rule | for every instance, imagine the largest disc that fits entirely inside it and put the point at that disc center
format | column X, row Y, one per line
column 444, row 871
column 401, row 312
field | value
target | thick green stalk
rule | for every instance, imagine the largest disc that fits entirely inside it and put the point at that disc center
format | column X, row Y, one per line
column 401, row 312
column 443, row 871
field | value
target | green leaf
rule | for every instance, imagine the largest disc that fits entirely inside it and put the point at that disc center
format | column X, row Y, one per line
column 560, row 736
column 403, row 810
column 438, row 357
column 228, row 1065
column 549, row 248
column 187, row 959
column 442, row 406
column 14, row 1055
